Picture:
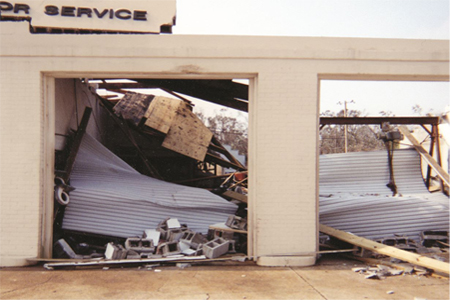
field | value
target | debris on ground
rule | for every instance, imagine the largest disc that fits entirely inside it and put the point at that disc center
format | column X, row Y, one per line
column 174, row 243
column 406, row 252
column 378, row 272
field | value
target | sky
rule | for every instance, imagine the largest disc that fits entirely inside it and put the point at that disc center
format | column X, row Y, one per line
column 403, row 19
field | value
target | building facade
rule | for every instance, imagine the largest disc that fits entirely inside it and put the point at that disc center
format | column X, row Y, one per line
column 284, row 75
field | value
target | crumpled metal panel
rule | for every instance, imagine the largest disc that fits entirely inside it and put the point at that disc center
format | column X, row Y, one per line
column 354, row 196
column 368, row 172
column 111, row 198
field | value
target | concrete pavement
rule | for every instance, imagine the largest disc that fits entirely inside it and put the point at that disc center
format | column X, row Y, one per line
column 330, row 278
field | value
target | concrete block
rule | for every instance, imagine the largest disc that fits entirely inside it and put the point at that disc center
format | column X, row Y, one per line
column 63, row 250
column 215, row 233
column 173, row 223
column 115, row 251
column 168, row 248
column 140, row 245
column 171, row 229
column 152, row 234
column 131, row 254
column 193, row 239
column 431, row 238
column 232, row 246
column 236, row 222
column 175, row 234
column 189, row 250
column 216, row 248
column 184, row 246
column 162, row 228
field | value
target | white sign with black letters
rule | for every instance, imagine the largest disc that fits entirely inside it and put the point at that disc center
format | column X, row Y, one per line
column 126, row 15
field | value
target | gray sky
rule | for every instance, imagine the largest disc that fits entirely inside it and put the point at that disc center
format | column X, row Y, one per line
column 405, row 19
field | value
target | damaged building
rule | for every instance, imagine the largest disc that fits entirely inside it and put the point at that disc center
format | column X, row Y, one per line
column 118, row 179
column 107, row 200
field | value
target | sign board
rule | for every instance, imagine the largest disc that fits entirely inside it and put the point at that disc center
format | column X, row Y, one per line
column 124, row 16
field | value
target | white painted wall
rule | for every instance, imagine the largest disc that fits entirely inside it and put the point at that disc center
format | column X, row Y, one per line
column 283, row 118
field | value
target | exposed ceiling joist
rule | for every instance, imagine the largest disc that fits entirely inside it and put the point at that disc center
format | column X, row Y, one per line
column 223, row 92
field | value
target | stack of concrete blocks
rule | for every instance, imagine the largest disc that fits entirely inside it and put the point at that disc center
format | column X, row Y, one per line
column 139, row 247
column 171, row 238
column 216, row 248
column 236, row 222
column 191, row 243
column 171, row 229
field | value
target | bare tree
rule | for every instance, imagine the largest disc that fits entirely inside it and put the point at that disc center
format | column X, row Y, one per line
column 228, row 130
column 359, row 137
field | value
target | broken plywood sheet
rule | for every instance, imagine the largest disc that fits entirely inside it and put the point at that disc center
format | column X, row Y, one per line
column 187, row 134
column 161, row 113
column 133, row 106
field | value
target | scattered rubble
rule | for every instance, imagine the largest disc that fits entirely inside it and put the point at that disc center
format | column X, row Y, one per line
column 383, row 271
column 378, row 272
column 365, row 248
column 170, row 240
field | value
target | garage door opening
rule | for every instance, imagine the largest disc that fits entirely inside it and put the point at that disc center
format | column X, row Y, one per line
column 150, row 167
column 373, row 179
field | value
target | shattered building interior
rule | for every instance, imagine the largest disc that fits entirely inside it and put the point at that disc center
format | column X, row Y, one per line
column 156, row 136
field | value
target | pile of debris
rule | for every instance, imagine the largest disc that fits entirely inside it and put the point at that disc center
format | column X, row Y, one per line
column 170, row 240
column 109, row 202
column 432, row 253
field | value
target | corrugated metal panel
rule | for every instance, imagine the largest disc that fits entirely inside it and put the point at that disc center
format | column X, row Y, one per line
column 111, row 198
column 354, row 196
column 368, row 172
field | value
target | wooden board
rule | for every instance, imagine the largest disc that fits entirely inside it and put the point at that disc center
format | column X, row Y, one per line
column 161, row 113
column 235, row 196
column 187, row 134
column 425, row 155
column 133, row 106
column 223, row 227
column 416, row 259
